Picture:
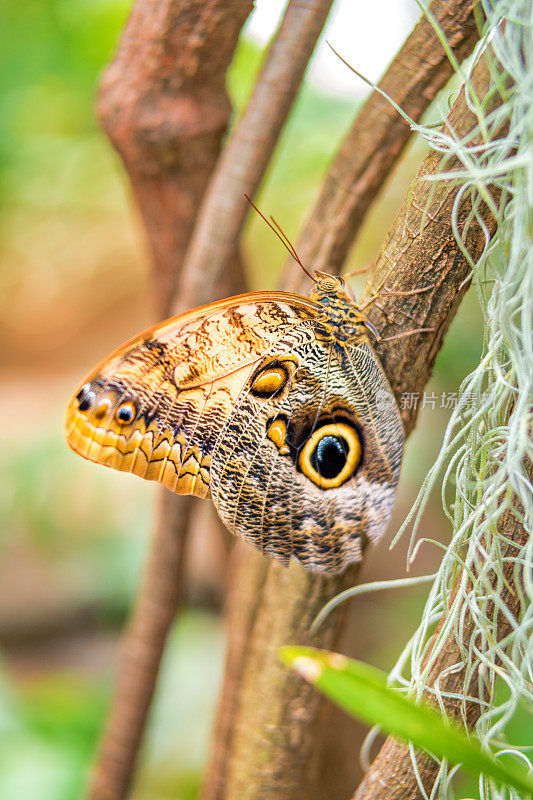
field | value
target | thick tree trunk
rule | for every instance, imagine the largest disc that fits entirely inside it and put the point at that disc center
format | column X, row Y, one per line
column 272, row 750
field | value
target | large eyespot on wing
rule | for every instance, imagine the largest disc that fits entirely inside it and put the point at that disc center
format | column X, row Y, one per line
column 312, row 474
column 155, row 407
column 331, row 454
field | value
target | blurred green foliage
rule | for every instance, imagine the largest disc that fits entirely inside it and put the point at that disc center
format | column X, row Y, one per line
column 49, row 726
column 47, row 730
column 62, row 196
column 52, row 53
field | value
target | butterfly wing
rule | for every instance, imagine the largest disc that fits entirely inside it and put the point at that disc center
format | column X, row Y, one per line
column 297, row 438
column 311, row 470
column 155, row 407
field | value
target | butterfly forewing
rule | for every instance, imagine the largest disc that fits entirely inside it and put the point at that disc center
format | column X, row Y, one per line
column 156, row 406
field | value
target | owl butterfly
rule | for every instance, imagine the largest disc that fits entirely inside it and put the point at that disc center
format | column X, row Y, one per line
column 273, row 404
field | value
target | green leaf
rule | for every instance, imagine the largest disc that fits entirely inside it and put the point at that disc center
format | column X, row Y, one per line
column 362, row 691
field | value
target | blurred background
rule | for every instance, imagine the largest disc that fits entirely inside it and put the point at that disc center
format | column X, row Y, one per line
column 74, row 283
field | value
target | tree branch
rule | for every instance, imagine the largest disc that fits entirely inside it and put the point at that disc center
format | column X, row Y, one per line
column 391, row 775
column 164, row 105
column 166, row 119
column 275, row 717
column 379, row 135
column 300, row 596
column 214, row 244
column 142, row 648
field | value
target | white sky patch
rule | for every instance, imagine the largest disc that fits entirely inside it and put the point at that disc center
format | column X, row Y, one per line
column 367, row 35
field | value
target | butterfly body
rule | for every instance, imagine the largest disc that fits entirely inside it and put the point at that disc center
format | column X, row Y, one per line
column 273, row 404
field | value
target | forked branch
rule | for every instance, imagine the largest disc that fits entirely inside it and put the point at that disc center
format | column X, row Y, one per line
column 168, row 133
column 271, row 749
column 164, row 104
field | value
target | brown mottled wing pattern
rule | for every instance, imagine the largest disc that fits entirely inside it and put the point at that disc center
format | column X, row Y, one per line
column 177, row 405
column 157, row 405
column 263, row 496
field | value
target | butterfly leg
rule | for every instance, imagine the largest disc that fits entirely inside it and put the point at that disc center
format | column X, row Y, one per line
column 407, row 333
column 392, row 292
column 410, row 291
column 358, row 271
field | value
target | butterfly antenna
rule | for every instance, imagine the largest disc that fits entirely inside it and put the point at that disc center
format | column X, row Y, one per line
column 284, row 239
column 288, row 244
column 290, row 247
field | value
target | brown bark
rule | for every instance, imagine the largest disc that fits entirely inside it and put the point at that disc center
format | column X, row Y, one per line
column 391, row 775
column 164, row 105
column 141, row 653
column 421, row 250
column 166, row 118
column 379, row 134
column 265, row 742
column 215, row 241
column 271, row 752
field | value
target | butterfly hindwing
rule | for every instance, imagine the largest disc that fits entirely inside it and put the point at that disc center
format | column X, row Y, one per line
column 266, row 481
